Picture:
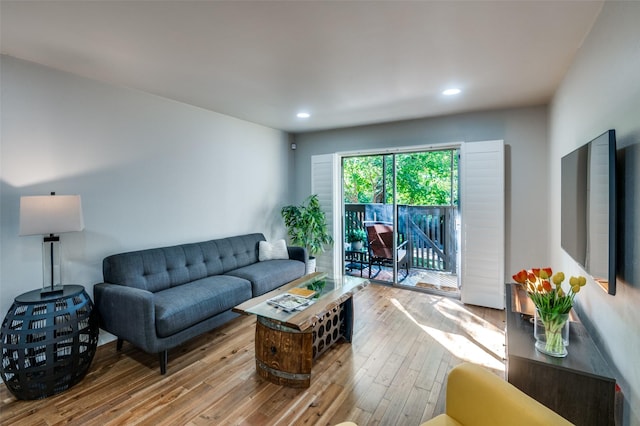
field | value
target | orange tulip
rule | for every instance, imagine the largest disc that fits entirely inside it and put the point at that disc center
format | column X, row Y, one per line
column 539, row 284
column 520, row 277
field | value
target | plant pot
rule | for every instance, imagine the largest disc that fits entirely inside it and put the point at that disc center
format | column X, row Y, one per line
column 311, row 265
column 551, row 331
column 356, row 245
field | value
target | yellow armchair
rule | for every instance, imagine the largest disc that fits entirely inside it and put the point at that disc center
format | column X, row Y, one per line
column 477, row 397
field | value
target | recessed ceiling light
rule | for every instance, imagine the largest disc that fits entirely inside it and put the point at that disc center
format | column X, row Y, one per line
column 452, row 91
column 303, row 115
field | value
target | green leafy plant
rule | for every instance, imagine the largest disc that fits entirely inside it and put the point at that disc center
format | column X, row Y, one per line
column 307, row 225
column 356, row 234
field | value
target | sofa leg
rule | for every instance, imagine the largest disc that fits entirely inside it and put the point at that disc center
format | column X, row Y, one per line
column 119, row 344
column 164, row 355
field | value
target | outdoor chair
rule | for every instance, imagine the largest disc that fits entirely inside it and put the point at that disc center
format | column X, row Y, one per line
column 380, row 242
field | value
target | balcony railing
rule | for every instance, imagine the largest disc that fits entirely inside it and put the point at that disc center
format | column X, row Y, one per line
column 429, row 230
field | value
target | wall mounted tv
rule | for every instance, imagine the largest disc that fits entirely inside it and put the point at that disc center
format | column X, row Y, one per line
column 588, row 217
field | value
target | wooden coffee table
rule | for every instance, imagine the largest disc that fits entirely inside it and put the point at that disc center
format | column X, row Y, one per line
column 287, row 343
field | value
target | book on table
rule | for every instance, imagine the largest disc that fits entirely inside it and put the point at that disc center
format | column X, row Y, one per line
column 302, row 292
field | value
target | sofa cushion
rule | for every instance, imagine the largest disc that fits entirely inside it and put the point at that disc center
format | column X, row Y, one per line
column 161, row 268
column 271, row 251
column 238, row 251
column 178, row 308
column 268, row 275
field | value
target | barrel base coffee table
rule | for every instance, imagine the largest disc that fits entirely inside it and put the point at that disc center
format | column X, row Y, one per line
column 288, row 341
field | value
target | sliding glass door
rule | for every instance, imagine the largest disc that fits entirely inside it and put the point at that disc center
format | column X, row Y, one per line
column 369, row 200
column 400, row 215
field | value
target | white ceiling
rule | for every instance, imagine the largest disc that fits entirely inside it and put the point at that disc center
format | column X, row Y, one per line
column 346, row 62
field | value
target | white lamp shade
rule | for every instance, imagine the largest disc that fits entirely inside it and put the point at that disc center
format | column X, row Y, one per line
column 50, row 214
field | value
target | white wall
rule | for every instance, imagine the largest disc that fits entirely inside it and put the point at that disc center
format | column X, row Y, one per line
column 601, row 91
column 524, row 131
column 150, row 172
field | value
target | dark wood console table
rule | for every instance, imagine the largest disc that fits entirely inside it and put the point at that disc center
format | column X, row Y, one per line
column 580, row 387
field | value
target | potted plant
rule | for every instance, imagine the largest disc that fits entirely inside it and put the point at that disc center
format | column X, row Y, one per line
column 307, row 227
column 356, row 237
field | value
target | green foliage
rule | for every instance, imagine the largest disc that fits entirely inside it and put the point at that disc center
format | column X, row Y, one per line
column 307, row 225
column 362, row 178
column 426, row 178
column 356, row 234
column 423, row 178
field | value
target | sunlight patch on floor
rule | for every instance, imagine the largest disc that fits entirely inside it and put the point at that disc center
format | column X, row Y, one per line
column 480, row 330
column 458, row 345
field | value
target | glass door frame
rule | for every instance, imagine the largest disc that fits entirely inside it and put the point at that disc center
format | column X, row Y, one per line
column 394, row 216
column 394, row 153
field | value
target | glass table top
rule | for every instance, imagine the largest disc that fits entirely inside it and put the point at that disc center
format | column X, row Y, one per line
column 330, row 292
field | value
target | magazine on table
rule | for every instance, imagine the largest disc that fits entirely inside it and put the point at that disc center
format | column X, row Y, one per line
column 289, row 302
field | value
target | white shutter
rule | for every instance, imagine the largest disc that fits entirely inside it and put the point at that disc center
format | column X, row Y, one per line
column 482, row 215
column 324, row 182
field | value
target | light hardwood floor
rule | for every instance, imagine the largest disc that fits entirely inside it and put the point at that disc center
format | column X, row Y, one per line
column 393, row 373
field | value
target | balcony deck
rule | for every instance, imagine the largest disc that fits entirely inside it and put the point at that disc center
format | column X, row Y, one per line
column 430, row 234
column 432, row 281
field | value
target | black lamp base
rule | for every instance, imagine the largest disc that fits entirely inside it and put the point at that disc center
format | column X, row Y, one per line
column 51, row 290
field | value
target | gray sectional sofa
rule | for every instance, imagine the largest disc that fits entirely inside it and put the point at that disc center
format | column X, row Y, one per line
column 159, row 298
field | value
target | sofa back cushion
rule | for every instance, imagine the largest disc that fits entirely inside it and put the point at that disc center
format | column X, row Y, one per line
column 161, row 268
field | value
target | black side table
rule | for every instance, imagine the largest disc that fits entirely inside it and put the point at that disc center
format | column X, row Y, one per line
column 48, row 343
column 356, row 259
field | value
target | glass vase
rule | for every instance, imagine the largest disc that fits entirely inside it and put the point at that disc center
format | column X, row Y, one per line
column 551, row 331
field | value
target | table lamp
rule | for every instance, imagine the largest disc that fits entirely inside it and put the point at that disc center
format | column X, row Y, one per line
column 49, row 215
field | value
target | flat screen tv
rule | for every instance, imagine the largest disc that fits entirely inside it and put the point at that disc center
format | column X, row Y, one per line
column 588, row 217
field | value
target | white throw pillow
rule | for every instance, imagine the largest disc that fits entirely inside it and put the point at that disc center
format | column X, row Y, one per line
column 271, row 251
